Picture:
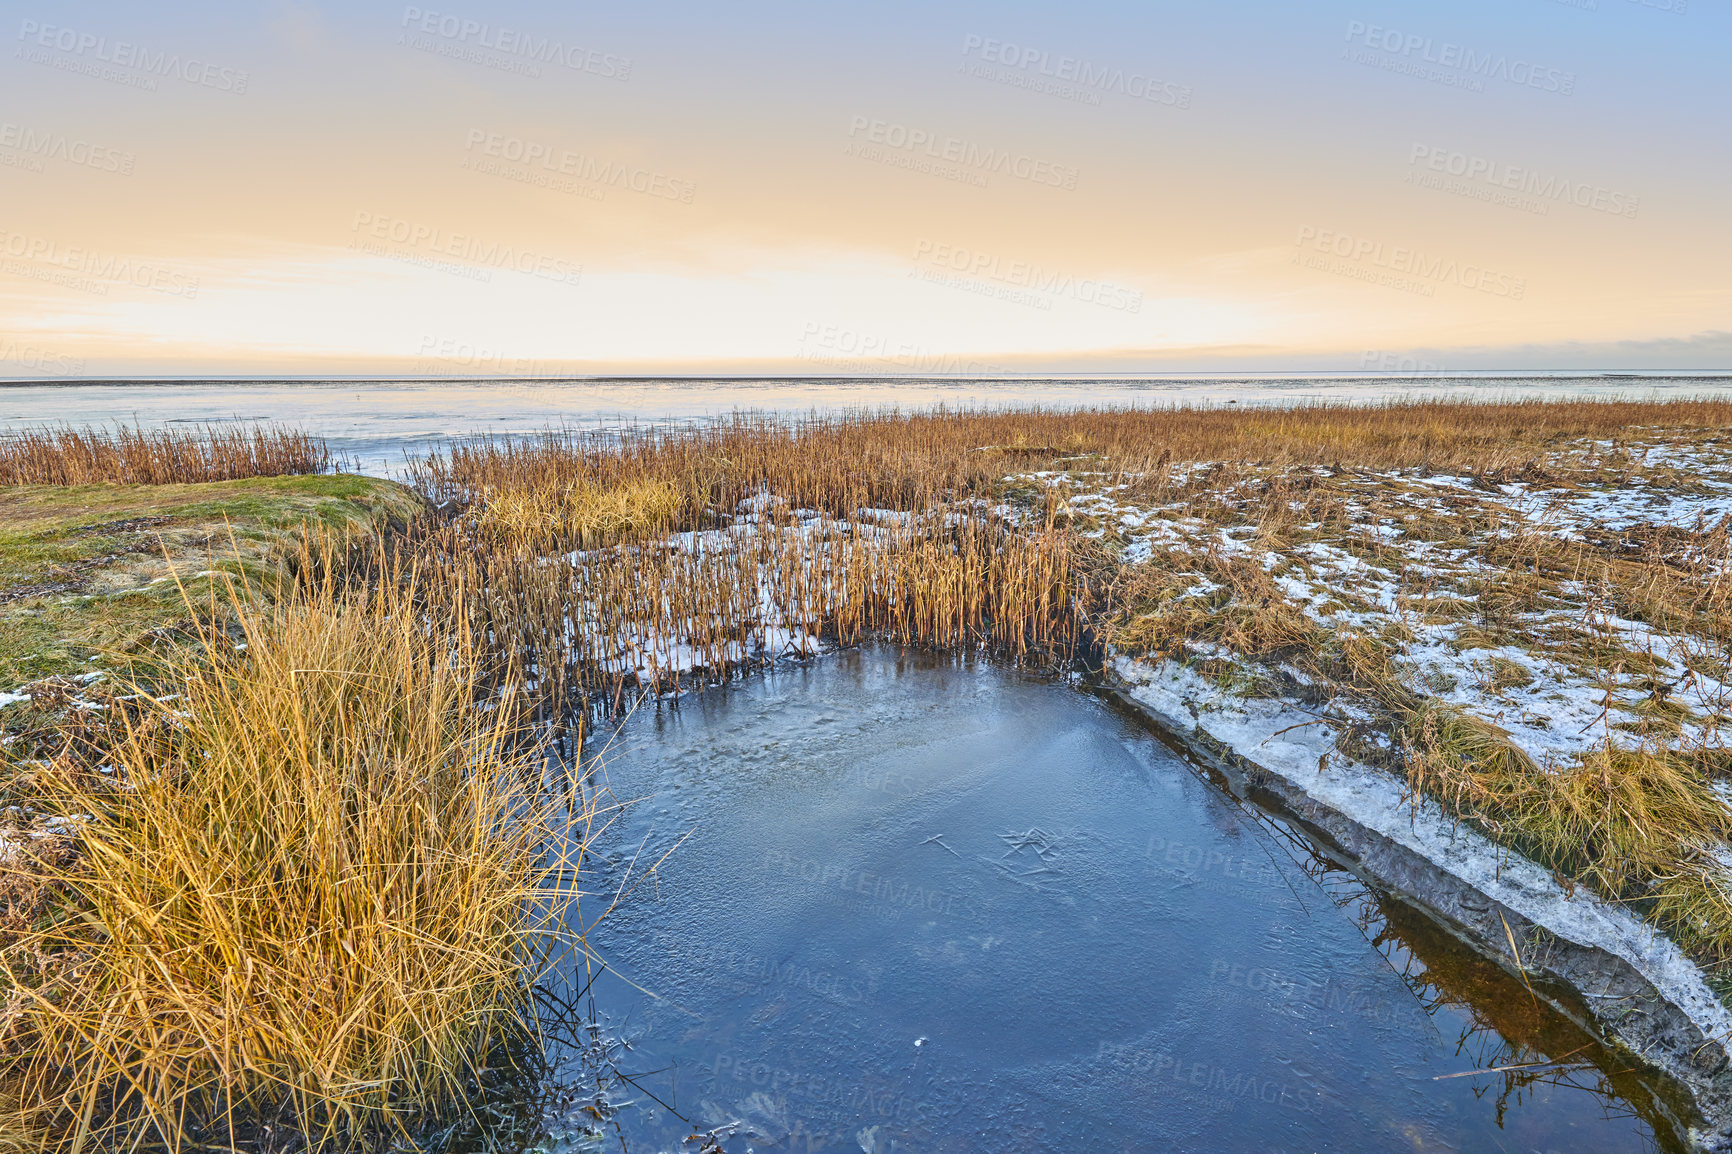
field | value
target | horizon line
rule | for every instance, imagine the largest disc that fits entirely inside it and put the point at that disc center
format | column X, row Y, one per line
column 1255, row 374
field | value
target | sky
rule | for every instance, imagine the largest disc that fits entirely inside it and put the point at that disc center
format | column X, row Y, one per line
column 938, row 188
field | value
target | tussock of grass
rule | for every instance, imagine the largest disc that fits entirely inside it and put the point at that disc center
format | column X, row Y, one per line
column 1693, row 899
column 1465, row 759
column 580, row 515
column 1245, row 612
column 307, row 891
column 1500, row 673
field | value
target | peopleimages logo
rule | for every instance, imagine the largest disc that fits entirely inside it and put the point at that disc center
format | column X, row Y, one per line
column 1498, row 177
column 1070, row 76
column 488, row 149
column 512, row 42
column 841, row 347
column 910, row 147
column 985, row 272
column 1403, row 266
column 454, row 356
column 89, row 47
column 88, row 270
column 401, row 239
column 1424, row 57
column 1398, row 364
column 41, row 145
column 40, row 360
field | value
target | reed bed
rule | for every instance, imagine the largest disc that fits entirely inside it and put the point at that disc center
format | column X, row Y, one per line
column 961, row 568
column 313, row 893
column 791, row 534
column 908, row 460
column 570, row 629
column 137, row 456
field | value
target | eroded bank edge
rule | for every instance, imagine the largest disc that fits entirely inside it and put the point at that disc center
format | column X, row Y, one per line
column 1636, row 989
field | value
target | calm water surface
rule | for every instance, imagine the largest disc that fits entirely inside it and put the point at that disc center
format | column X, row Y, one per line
column 922, row 906
column 374, row 423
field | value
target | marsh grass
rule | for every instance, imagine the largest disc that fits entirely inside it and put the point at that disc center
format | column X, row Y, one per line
column 580, row 515
column 663, row 615
column 906, row 460
column 1638, row 825
column 313, row 890
column 795, row 534
column 137, row 456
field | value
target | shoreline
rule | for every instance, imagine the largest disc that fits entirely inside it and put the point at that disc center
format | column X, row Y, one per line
column 1651, row 1000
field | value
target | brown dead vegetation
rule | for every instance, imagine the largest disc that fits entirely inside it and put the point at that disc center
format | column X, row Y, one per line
column 136, row 456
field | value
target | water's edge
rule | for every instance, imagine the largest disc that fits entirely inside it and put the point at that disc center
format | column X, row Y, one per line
column 1603, row 993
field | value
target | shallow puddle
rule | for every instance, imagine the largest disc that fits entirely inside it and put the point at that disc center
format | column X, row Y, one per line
column 922, row 906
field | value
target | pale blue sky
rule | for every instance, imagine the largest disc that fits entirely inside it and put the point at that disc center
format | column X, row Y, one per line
column 335, row 185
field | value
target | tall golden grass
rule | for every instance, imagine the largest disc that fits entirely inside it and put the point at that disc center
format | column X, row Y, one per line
column 589, row 596
column 137, row 456
column 906, row 460
column 582, row 515
column 596, row 626
column 315, row 889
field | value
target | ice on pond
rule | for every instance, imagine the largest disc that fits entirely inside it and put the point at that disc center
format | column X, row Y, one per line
column 1088, row 944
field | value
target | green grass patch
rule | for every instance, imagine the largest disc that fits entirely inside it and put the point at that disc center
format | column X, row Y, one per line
column 91, row 576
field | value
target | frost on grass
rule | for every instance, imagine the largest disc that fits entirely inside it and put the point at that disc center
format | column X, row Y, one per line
column 1545, row 654
column 777, row 580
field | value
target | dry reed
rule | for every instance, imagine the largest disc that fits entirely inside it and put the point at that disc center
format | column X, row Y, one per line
column 662, row 615
column 136, row 456
column 583, row 515
column 904, row 461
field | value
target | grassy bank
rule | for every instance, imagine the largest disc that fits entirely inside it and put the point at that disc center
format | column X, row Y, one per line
column 88, row 572
column 1543, row 651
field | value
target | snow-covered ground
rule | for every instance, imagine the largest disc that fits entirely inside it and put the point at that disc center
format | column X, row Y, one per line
column 1578, row 607
column 1404, row 558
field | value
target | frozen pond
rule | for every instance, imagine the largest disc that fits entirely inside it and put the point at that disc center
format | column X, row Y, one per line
column 924, row 906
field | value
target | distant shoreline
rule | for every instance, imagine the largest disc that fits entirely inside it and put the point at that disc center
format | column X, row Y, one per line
column 1270, row 377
